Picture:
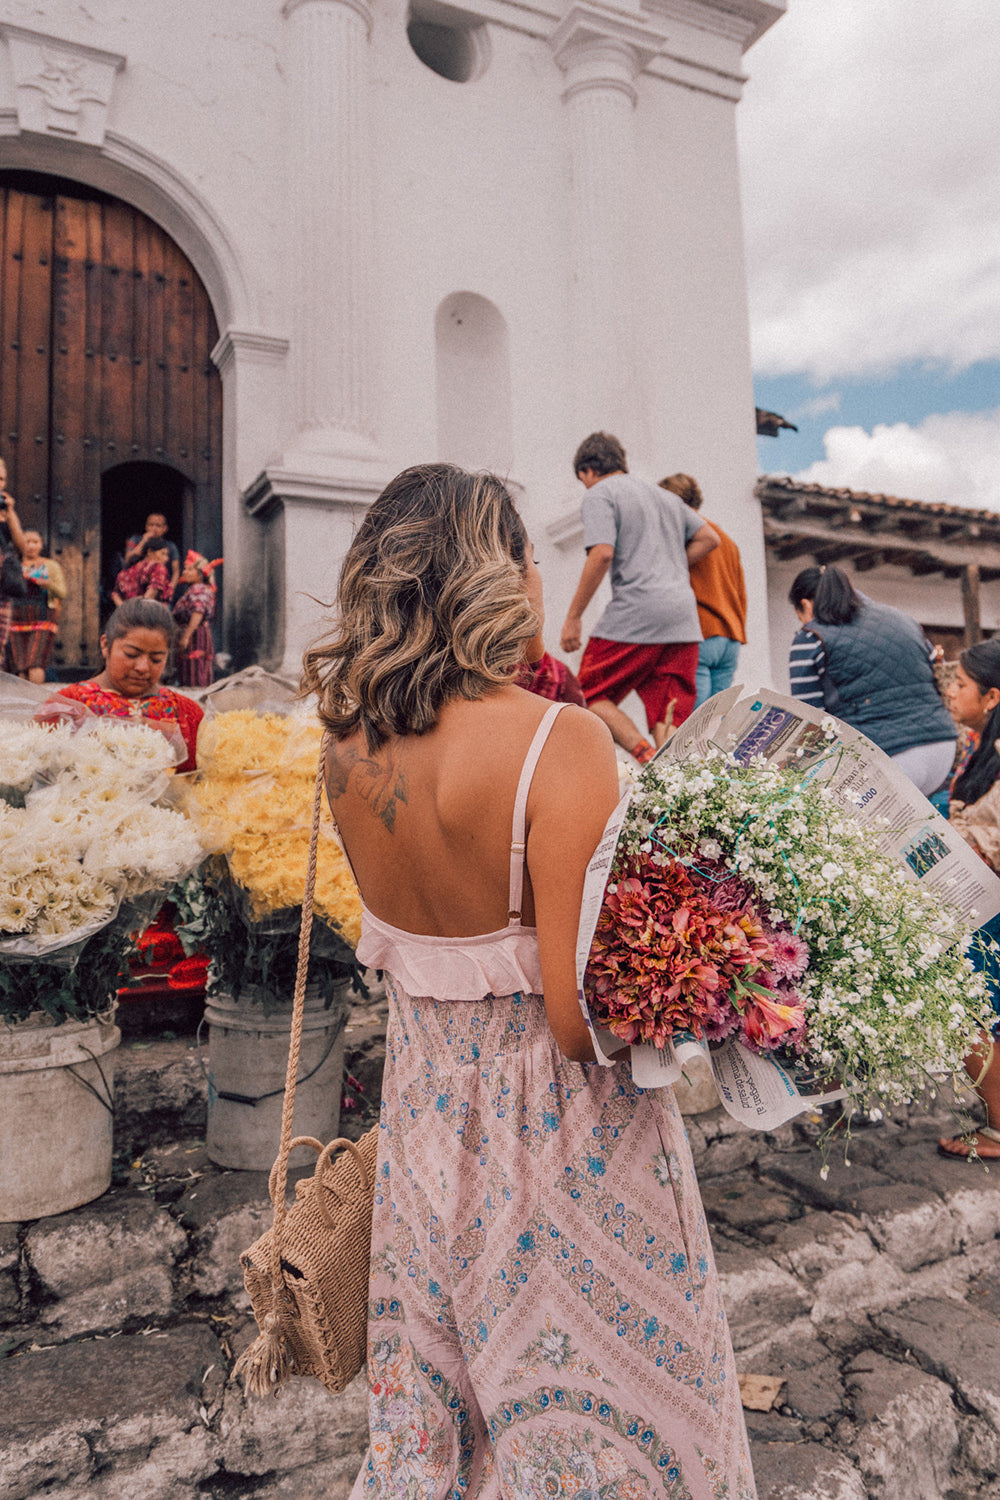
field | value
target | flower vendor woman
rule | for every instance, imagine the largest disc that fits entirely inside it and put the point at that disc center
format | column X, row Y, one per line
column 136, row 647
column 35, row 618
column 975, row 812
column 544, row 1313
column 193, row 610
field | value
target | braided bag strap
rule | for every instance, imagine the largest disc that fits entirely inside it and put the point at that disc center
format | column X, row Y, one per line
column 279, row 1176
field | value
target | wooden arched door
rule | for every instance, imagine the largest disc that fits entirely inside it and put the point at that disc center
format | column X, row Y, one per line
column 105, row 382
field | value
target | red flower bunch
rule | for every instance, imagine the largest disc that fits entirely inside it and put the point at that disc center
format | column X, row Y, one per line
column 675, row 950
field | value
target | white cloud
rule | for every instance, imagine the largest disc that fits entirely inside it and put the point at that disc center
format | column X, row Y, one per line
column 870, row 177
column 819, row 405
column 950, row 457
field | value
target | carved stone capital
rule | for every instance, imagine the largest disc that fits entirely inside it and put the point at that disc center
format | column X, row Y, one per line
column 61, row 88
column 598, row 48
column 361, row 7
column 292, row 486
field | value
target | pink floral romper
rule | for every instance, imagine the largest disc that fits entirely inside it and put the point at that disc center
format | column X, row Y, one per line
column 545, row 1317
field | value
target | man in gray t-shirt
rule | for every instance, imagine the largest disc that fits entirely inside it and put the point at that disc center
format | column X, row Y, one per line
column 647, row 639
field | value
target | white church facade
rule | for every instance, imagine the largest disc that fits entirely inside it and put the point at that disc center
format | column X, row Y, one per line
column 258, row 257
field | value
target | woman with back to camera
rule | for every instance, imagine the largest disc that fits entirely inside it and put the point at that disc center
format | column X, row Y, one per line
column 974, row 811
column 871, row 665
column 544, row 1303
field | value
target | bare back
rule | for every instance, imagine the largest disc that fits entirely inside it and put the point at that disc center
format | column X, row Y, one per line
column 427, row 819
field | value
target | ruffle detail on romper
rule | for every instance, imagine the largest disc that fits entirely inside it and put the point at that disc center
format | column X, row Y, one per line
column 453, row 968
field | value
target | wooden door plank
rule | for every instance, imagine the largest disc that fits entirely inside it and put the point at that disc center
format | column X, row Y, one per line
column 157, row 348
column 139, row 448
column 34, row 338
column 92, row 349
column 116, row 363
column 180, row 377
column 11, row 247
column 75, row 502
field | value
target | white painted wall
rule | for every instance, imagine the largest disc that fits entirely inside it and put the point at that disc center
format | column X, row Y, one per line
column 472, row 192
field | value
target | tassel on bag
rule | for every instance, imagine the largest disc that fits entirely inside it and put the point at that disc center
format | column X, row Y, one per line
column 307, row 1277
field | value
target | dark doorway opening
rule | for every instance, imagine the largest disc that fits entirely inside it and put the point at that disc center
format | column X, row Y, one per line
column 129, row 493
column 110, row 404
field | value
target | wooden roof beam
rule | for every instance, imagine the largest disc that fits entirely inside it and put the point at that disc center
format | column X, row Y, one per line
column 806, row 535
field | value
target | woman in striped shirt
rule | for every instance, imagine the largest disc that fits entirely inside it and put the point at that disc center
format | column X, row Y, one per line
column 871, row 665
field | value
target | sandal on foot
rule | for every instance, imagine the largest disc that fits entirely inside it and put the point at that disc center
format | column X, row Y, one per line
column 961, row 1148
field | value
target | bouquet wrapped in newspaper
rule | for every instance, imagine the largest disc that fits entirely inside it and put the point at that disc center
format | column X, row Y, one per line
column 254, row 799
column 87, row 848
column 775, row 896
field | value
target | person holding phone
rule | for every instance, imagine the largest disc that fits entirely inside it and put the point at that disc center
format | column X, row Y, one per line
column 11, row 552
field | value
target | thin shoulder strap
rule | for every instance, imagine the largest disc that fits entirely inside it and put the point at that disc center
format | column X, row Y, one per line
column 520, row 808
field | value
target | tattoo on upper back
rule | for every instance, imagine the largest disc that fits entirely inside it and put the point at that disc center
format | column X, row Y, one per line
column 383, row 787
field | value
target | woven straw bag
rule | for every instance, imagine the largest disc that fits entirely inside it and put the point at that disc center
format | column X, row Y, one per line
column 307, row 1277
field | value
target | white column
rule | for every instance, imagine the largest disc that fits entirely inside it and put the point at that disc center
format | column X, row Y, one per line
column 601, row 56
column 253, row 367
column 331, row 231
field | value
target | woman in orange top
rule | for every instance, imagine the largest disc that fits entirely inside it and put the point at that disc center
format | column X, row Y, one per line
column 721, row 592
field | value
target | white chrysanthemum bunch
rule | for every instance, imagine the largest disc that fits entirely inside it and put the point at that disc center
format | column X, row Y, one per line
column 29, row 751
column 890, row 990
column 145, row 850
column 88, row 837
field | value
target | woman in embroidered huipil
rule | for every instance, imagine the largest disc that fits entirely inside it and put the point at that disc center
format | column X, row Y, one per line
column 193, row 610
column 136, row 648
column 34, row 619
column 544, row 1313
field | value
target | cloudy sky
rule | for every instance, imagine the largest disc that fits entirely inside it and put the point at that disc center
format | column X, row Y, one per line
column 871, row 179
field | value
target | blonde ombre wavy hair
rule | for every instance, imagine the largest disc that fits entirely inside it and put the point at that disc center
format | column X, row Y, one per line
column 431, row 605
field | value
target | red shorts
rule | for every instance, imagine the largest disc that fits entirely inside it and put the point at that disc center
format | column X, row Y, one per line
column 659, row 674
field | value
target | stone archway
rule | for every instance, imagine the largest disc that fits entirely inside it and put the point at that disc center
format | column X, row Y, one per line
column 106, row 332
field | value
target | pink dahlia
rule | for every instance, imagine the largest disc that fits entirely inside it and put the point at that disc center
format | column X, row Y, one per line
column 789, row 954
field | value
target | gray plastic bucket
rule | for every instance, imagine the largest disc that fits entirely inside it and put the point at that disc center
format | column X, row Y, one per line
column 56, row 1114
column 247, row 1059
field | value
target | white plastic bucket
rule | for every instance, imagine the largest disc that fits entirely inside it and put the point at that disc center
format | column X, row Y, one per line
column 247, row 1060
column 56, row 1115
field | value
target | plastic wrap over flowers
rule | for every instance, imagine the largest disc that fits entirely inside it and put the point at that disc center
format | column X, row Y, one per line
column 254, row 796
column 81, row 833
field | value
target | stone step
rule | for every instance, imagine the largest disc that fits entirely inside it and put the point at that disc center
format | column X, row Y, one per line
column 873, row 1294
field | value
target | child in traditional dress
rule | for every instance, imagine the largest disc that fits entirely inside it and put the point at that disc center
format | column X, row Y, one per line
column 193, row 610
column 149, row 578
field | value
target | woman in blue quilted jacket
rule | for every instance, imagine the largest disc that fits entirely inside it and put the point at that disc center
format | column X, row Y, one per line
column 872, row 666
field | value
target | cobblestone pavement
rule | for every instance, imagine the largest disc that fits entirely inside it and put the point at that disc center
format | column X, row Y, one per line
column 873, row 1297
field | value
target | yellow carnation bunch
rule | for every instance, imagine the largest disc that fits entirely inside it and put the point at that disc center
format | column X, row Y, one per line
column 255, row 794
